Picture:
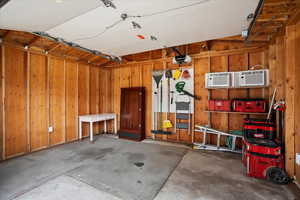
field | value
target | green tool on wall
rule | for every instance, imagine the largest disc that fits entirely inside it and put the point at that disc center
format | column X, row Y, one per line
column 180, row 89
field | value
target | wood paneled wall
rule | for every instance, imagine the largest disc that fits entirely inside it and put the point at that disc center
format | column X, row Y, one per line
column 292, row 89
column 38, row 91
column 140, row 74
column 284, row 64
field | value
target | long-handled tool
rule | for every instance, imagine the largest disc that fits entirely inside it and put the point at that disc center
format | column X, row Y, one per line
column 167, row 123
column 157, row 76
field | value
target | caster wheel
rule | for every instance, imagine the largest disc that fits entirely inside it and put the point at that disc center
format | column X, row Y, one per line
column 277, row 175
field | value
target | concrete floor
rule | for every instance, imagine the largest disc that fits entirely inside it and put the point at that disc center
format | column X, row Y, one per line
column 124, row 170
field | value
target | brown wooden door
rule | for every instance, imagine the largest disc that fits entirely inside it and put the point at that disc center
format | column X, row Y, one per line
column 132, row 112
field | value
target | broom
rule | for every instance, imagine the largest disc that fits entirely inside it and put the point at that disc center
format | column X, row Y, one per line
column 167, row 123
column 157, row 75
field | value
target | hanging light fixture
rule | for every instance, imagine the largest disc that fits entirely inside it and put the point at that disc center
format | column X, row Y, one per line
column 108, row 3
column 136, row 25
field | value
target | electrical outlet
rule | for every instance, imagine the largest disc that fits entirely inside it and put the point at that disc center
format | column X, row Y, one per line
column 245, row 33
column 50, row 129
column 298, row 158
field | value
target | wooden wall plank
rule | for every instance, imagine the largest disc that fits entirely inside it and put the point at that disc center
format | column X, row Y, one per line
column 106, row 95
column 2, row 146
column 147, row 83
column 38, row 102
column 257, row 59
column 280, row 72
column 219, row 120
column 109, row 96
column 116, row 93
column 28, row 101
column 297, row 98
column 71, row 101
column 57, row 101
column 290, row 100
column 201, row 67
column 95, row 95
column 102, row 90
column 125, row 77
column 136, row 75
column 15, row 102
column 238, row 62
column 84, row 94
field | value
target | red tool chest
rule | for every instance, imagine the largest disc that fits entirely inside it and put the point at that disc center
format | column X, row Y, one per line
column 260, row 155
column 249, row 105
column 258, row 128
column 220, row 105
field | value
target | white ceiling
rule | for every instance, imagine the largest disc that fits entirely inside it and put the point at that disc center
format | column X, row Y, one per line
column 76, row 19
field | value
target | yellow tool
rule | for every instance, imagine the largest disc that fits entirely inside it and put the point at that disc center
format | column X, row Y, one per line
column 167, row 124
column 177, row 74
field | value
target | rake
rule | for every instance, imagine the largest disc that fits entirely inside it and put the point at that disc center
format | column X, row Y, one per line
column 157, row 75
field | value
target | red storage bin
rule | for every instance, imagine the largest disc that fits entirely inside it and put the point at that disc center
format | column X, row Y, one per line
column 258, row 128
column 250, row 105
column 220, row 105
column 260, row 155
column 257, row 165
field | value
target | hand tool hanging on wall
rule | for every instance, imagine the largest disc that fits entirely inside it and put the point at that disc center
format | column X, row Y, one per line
column 172, row 97
column 160, row 104
column 157, row 75
column 186, row 74
column 180, row 89
column 177, row 74
column 167, row 122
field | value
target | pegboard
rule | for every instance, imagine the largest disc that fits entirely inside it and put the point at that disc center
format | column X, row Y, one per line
column 189, row 87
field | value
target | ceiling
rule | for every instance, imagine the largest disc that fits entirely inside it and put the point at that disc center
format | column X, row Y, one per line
column 85, row 22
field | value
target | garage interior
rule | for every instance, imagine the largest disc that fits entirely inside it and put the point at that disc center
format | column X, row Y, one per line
column 131, row 100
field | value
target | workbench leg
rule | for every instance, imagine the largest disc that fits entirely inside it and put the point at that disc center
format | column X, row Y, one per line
column 105, row 127
column 80, row 130
column 91, row 132
column 115, row 128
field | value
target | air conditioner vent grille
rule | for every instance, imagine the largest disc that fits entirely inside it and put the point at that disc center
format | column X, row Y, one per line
column 214, row 80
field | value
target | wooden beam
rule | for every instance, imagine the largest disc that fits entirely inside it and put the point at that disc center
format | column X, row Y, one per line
column 96, row 57
column 53, row 47
column 106, row 63
column 204, row 54
column 277, row 19
column 69, row 51
column 33, row 40
column 5, row 35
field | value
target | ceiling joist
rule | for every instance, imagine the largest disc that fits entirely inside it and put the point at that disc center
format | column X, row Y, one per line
column 33, row 40
column 5, row 35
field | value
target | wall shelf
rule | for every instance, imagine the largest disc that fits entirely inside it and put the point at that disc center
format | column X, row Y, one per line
column 241, row 113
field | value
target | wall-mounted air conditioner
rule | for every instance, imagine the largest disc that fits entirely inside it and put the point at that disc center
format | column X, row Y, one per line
column 251, row 78
column 218, row 80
